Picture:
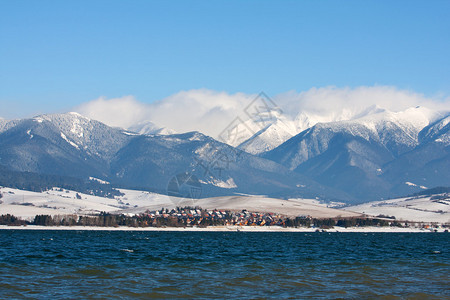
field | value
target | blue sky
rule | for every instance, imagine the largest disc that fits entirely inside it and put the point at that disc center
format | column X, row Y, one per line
column 55, row 55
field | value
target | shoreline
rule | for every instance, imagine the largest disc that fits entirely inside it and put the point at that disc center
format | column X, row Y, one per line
column 229, row 229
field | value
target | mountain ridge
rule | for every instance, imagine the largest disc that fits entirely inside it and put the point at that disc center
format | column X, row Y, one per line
column 72, row 145
column 356, row 152
column 375, row 155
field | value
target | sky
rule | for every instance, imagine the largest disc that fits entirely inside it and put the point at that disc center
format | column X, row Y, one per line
column 57, row 56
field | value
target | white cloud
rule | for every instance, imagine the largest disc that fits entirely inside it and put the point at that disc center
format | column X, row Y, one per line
column 118, row 112
column 195, row 110
column 202, row 110
column 347, row 101
column 210, row 111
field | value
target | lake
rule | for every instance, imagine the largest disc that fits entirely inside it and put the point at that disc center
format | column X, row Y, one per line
column 204, row 265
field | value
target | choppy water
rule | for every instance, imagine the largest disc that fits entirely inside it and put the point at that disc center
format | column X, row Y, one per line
column 105, row 264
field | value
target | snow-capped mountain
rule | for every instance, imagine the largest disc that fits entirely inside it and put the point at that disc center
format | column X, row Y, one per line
column 268, row 130
column 397, row 132
column 72, row 145
column 375, row 154
column 365, row 156
column 438, row 132
column 264, row 133
column 427, row 165
column 94, row 137
column 61, row 144
column 263, row 126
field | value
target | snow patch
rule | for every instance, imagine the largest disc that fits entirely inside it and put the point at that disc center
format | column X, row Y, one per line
column 98, row 180
column 69, row 141
column 77, row 128
column 413, row 184
column 229, row 184
column 130, row 133
column 196, row 137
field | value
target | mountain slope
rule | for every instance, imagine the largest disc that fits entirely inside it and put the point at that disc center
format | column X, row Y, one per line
column 350, row 164
column 72, row 145
column 427, row 165
column 268, row 130
column 39, row 147
column 221, row 169
column 369, row 157
column 266, row 139
column 378, row 154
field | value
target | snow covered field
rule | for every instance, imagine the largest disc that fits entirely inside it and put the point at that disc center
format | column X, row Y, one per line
column 291, row 207
column 26, row 204
column 420, row 209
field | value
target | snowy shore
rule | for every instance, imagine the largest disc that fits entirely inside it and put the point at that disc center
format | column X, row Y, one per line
column 227, row 229
column 26, row 205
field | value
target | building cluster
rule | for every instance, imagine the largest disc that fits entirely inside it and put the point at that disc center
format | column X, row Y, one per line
column 197, row 216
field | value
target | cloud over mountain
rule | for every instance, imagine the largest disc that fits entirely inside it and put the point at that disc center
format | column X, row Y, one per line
column 118, row 112
column 210, row 111
column 195, row 110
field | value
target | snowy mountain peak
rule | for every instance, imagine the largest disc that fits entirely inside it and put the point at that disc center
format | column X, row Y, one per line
column 73, row 113
column 270, row 136
column 385, row 126
column 369, row 156
column 373, row 109
column 82, row 133
column 373, row 123
column 397, row 132
column 148, row 127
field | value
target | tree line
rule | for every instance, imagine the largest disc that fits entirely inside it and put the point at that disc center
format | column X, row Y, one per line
column 112, row 220
column 40, row 183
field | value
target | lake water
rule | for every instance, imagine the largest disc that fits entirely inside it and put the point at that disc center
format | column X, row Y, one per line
column 205, row 265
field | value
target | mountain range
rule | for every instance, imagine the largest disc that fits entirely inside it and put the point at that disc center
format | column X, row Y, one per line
column 371, row 155
column 380, row 155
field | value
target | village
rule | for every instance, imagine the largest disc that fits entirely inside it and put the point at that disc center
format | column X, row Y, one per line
column 196, row 216
column 202, row 218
